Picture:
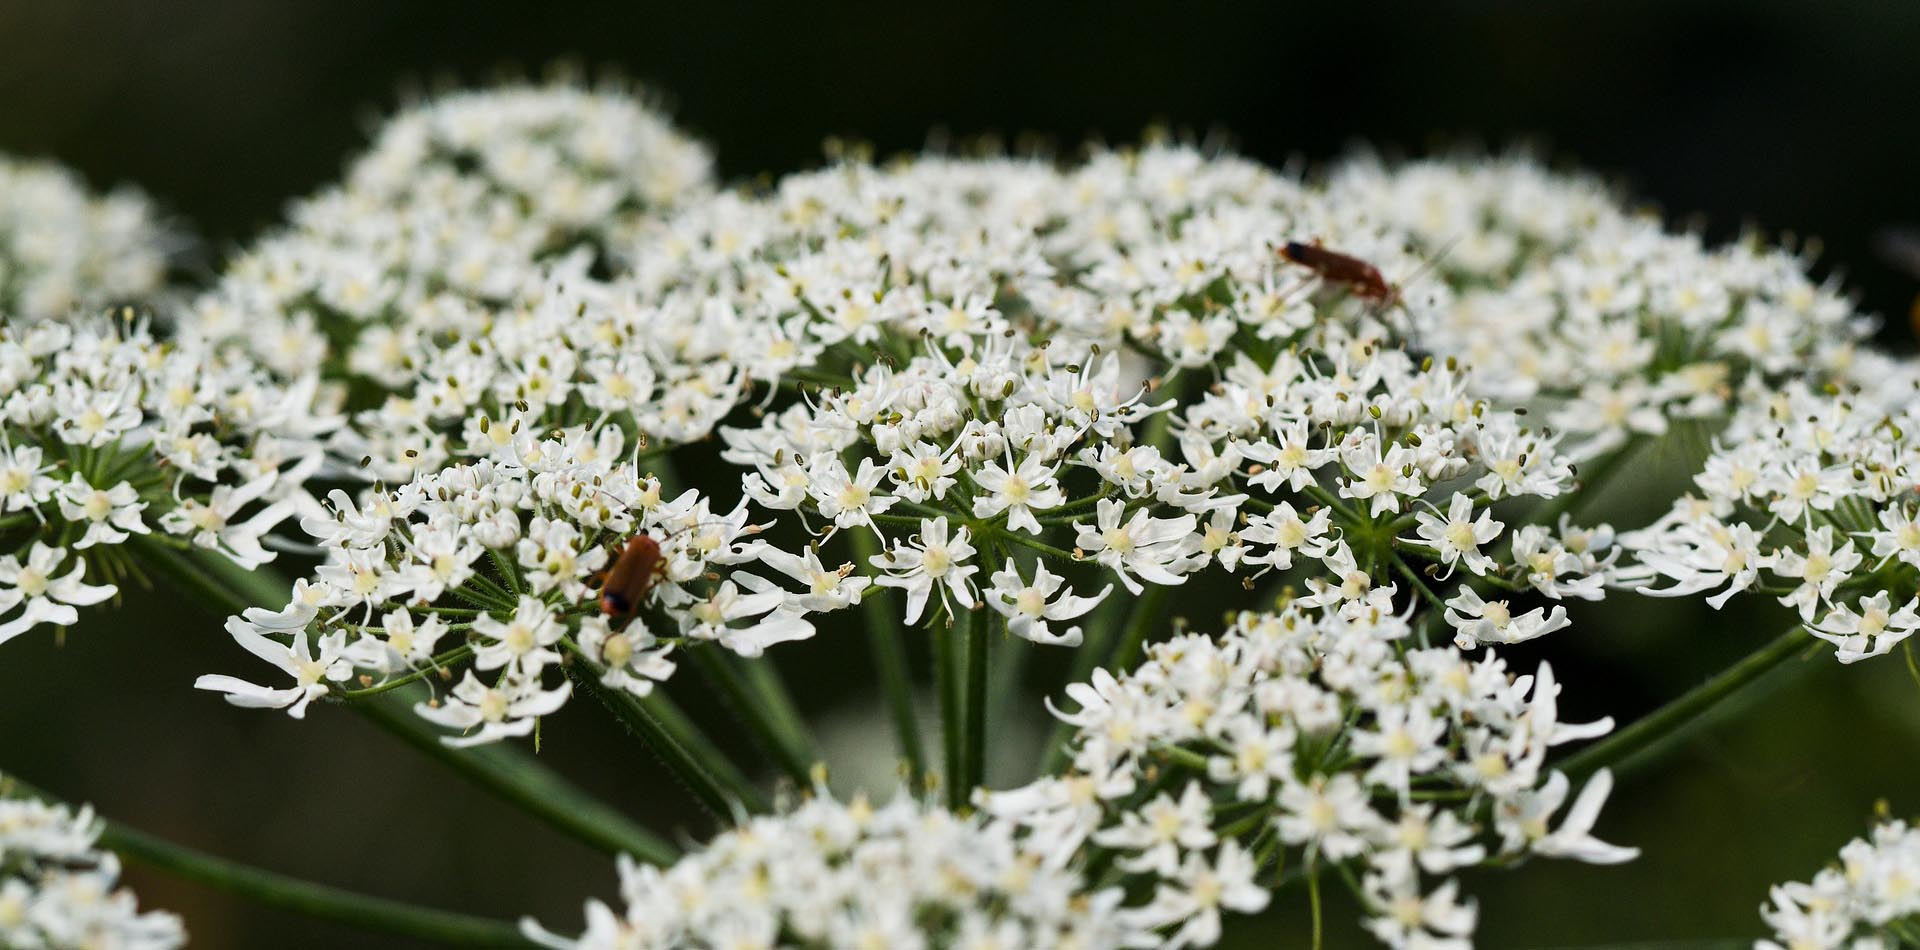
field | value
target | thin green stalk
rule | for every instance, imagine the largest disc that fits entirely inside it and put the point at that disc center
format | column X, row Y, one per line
column 1011, row 656
column 1059, row 554
column 1146, row 613
column 436, row 666
column 975, row 760
column 319, row 901
column 682, row 730
column 511, row 775
column 1674, row 720
column 1313, row 900
column 223, row 587
column 1596, row 474
column 949, row 669
column 759, row 715
column 884, row 635
column 687, row 767
column 764, row 679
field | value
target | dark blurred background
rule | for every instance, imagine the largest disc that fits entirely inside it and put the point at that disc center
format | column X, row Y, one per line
column 1792, row 117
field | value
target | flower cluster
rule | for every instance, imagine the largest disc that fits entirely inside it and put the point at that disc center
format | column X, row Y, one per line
column 63, row 249
column 1808, row 497
column 944, row 372
column 110, row 435
column 60, row 891
column 1321, row 734
column 1600, row 318
column 834, row 874
column 460, row 199
column 1869, row 900
column 495, row 563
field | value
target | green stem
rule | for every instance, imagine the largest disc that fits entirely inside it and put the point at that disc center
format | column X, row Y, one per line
column 1020, row 538
column 1313, row 900
column 511, row 775
column 884, row 638
column 1674, row 720
column 975, row 760
column 1596, row 474
column 764, row 678
column 681, row 729
column 949, row 669
column 319, row 901
column 1146, row 613
column 762, row 715
column 507, row 771
column 686, row 766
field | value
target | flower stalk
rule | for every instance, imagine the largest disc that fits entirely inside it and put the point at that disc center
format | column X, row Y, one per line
column 318, row 901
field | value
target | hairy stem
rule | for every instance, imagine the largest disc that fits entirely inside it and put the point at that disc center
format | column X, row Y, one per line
column 225, row 588
column 1682, row 715
column 511, row 775
column 641, row 718
column 1594, row 474
column 319, row 901
column 890, row 661
column 764, row 709
column 950, row 669
column 975, row 760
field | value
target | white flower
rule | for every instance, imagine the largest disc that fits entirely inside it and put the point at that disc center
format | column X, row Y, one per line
column 848, row 874
column 311, row 673
column 770, row 621
column 508, row 708
column 1478, row 621
column 929, row 559
column 65, row 250
column 48, row 595
column 1195, row 896
column 848, row 499
column 525, row 640
column 1160, row 550
column 24, row 484
column 1872, row 630
column 111, row 515
column 1523, row 821
column 1017, row 490
column 1457, row 537
column 1820, row 568
column 211, row 524
column 1161, row 831
column 1030, row 609
column 60, row 889
column 825, row 589
column 1867, row 899
column 634, row 658
column 1402, row 917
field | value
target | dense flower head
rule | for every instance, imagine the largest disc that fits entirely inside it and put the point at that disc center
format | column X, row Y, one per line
column 916, row 356
column 1005, row 387
column 495, row 562
column 1867, row 900
column 462, row 198
column 1809, row 496
column 64, row 249
column 107, row 435
column 1603, row 320
column 1325, row 735
column 60, row 891
column 849, row 874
